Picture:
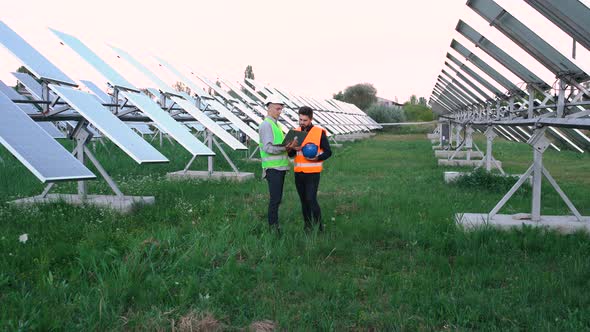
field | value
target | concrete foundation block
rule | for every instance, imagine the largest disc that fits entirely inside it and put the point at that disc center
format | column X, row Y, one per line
column 460, row 154
column 453, row 176
column 180, row 175
column 462, row 163
column 123, row 204
column 561, row 224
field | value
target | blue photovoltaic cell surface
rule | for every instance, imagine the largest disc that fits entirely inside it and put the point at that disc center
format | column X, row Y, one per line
column 49, row 127
column 165, row 122
column 111, row 126
column 94, row 60
column 35, row 149
column 34, row 61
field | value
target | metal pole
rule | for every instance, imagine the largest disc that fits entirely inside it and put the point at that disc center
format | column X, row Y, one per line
column 104, row 173
column 561, row 98
column 489, row 142
column 537, row 177
column 531, row 92
column 116, row 100
column 82, row 188
column 210, row 158
column 468, row 141
column 233, row 166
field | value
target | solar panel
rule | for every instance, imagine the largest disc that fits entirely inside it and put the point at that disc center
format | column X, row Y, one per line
column 188, row 105
column 249, row 113
column 479, row 63
column 168, row 124
column 276, row 92
column 196, row 126
column 34, row 88
column 524, row 37
column 144, row 70
column 456, row 91
column 237, row 91
column 98, row 92
column 292, row 98
column 254, row 95
column 100, row 117
column 451, row 96
column 252, row 104
column 463, row 88
column 31, row 58
column 210, row 124
column 469, row 82
column 259, row 87
column 215, row 87
column 343, row 123
column 89, row 56
column 235, row 120
column 572, row 16
column 329, row 122
column 336, row 118
column 142, row 128
column 191, row 109
column 49, row 127
column 41, row 154
column 195, row 89
column 499, row 55
column 476, row 76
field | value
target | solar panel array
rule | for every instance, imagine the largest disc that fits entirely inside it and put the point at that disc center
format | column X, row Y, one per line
column 529, row 111
column 51, row 105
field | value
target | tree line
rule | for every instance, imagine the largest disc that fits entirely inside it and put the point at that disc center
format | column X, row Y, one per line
column 364, row 96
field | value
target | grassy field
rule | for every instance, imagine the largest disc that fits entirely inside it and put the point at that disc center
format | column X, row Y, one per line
column 391, row 257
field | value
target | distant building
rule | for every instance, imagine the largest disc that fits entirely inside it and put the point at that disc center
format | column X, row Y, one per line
column 388, row 103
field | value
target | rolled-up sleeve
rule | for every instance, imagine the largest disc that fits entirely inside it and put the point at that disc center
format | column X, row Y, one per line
column 266, row 138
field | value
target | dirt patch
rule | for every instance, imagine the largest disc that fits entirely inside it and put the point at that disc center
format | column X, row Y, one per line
column 198, row 322
column 263, row 326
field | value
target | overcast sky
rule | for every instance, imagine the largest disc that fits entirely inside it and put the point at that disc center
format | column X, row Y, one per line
column 309, row 47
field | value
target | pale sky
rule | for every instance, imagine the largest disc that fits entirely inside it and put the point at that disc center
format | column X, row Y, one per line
column 308, row 47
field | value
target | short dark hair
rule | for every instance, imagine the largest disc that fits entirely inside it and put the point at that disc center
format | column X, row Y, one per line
column 306, row 110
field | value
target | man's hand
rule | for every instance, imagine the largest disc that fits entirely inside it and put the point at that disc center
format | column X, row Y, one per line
column 314, row 158
column 292, row 145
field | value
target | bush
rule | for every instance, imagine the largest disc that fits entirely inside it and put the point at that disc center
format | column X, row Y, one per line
column 491, row 181
column 418, row 113
column 386, row 114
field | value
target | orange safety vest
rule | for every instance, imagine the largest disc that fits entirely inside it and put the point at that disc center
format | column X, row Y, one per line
column 303, row 165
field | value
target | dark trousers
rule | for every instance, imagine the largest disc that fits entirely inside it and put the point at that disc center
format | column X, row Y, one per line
column 307, row 187
column 276, row 180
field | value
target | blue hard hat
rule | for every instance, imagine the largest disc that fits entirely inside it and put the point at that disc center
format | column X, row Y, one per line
column 310, row 150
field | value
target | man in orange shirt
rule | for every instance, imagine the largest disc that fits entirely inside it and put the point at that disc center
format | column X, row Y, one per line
column 308, row 169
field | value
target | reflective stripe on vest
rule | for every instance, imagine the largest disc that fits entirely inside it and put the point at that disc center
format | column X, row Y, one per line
column 274, row 160
column 303, row 165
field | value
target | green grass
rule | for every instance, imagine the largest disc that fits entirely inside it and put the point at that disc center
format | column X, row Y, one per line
column 391, row 257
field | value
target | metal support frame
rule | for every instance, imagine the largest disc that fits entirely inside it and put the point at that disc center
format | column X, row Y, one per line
column 81, row 151
column 210, row 140
column 490, row 161
column 466, row 143
column 254, row 152
column 540, row 143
